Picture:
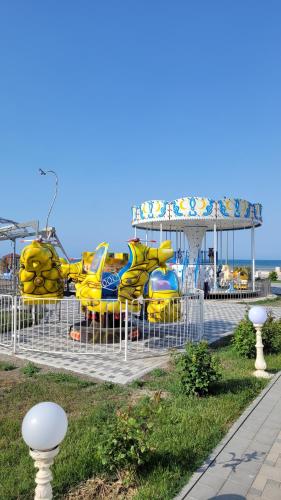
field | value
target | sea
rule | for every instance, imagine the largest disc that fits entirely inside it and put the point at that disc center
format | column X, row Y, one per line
column 266, row 265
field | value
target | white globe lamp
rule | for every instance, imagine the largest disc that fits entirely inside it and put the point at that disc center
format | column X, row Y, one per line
column 258, row 315
column 43, row 429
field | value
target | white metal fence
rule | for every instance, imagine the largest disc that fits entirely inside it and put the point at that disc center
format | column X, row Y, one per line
column 65, row 327
column 262, row 289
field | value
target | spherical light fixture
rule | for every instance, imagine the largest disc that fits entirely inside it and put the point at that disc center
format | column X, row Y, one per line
column 258, row 315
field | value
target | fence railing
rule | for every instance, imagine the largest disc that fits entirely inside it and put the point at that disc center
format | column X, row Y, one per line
column 262, row 288
column 9, row 286
column 105, row 327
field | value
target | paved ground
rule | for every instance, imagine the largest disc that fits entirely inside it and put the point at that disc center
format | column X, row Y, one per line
column 276, row 288
column 247, row 463
column 220, row 319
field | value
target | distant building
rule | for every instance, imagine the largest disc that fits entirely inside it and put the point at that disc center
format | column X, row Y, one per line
column 6, row 262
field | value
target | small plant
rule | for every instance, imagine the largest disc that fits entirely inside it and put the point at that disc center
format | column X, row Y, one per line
column 30, row 369
column 273, row 276
column 108, row 385
column 6, row 367
column 137, row 384
column 198, row 369
column 244, row 338
column 126, row 441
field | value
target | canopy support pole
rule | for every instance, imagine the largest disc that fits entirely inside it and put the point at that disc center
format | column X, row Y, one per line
column 215, row 256
column 253, row 252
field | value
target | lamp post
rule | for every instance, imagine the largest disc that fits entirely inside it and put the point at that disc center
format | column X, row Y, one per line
column 43, row 172
column 43, row 429
column 258, row 317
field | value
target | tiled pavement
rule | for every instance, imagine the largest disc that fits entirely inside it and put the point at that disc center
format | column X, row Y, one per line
column 220, row 319
column 267, row 484
column 104, row 367
column 247, row 463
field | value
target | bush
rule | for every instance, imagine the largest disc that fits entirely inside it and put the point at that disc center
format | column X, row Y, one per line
column 271, row 335
column 197, row 369
column 125, row 444
column 244, row 338
column 273, row 276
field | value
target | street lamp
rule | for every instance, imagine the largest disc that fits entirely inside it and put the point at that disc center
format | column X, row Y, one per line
column 43, row 172
column 43, row 429
column 258, row 316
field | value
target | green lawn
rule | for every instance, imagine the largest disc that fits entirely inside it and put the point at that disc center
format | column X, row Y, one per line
column 276, row 301
column 185, row 429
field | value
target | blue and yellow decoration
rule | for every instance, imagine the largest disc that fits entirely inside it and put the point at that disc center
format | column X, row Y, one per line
column 164, row 290
column 194, row 207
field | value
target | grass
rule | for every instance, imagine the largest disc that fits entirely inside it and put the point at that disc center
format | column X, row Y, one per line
column 185, row 429
column 276, row 301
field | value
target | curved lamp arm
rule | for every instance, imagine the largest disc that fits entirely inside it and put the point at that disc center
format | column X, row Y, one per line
column 43, row 172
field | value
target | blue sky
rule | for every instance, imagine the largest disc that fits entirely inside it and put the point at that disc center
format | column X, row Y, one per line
column 137, row 100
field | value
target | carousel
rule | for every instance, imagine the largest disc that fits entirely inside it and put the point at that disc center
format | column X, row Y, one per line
column 187, row 222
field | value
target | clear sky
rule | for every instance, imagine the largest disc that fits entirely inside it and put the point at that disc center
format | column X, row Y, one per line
column 133, row 100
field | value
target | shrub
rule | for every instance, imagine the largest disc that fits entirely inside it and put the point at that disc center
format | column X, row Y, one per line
column 273, row 276
column 271, row 335
column 126, row 441
column 244, row 338
column 197, row 369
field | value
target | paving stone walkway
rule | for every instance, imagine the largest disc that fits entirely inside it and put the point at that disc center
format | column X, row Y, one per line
column 247, row 463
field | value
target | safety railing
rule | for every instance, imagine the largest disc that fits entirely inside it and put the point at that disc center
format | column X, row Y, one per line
column 7, row 320
column 9, row 286
column 103, row 327
column 261, row 289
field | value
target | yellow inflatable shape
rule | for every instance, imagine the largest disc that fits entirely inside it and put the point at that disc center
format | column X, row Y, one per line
column 72, row 271
column 77, row 271
column 164, row 290
column 40, row 272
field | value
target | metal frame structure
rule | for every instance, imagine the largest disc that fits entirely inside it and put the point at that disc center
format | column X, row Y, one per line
column 11, row 230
